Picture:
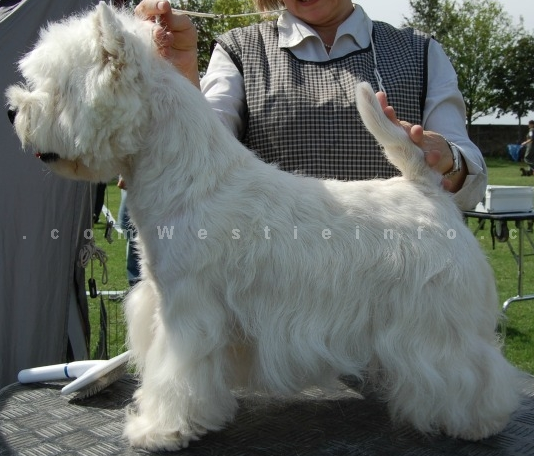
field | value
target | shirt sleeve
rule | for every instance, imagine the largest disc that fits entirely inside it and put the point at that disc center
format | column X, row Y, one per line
column 224, row 88
column 444, row 113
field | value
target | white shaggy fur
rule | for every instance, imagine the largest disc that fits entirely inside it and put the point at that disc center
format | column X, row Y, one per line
column 253, row 277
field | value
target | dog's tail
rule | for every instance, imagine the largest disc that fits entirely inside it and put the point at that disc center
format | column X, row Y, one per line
column 398, row 147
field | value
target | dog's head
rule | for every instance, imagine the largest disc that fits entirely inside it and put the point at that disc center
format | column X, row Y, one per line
column 82, row 106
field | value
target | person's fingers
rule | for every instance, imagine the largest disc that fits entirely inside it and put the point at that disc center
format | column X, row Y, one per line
column 433, row 144
column 149, row 9
column 382, row 99
column 416, row 133
column 432, row 157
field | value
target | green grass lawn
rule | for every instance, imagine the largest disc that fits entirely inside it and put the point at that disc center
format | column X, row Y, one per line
column 519, row 342
column 117, row 281
column 519, row 347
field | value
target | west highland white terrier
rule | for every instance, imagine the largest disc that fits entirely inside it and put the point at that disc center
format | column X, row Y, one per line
column 256, row 278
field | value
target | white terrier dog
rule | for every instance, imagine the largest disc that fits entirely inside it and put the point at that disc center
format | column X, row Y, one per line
column 257, row 278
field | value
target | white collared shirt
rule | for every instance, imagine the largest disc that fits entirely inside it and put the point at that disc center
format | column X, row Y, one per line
column 305, row 44
column 444, row 110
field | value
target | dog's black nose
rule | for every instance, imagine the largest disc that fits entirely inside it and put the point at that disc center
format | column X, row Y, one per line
column 11, row 113
column 48, row 157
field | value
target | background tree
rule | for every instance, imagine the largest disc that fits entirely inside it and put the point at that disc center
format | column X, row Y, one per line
column 436, row 17
column 512, row 80
column 484, row 32
column 234, row 7
column 474, row 34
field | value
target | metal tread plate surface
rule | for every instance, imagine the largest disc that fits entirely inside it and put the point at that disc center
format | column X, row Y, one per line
column 36, row 420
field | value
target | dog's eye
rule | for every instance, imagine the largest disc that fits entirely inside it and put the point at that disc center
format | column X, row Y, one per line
column 11, row 114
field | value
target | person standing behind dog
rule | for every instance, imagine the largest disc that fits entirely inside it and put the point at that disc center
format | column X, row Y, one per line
column 286, row 90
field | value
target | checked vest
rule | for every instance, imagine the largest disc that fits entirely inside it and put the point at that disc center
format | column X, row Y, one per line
column 302, row 115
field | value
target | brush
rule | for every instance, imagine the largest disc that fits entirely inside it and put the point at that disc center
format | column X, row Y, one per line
column 56, row 371
column 91, row 376
column 98, row 377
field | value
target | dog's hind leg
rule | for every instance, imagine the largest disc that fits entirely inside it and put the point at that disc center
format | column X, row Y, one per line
column 441, row 369
column 184, row 386
column 489, row 395
column 468, row 396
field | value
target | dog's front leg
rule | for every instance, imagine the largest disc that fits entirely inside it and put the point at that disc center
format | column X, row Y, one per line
column 184, row 384
column 141, row 318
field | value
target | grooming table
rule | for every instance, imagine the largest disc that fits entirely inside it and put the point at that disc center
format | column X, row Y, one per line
column 499, row 222
column 36, row 420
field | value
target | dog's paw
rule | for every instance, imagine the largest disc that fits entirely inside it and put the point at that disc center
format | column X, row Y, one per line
column 156, row 441
column 143, row 433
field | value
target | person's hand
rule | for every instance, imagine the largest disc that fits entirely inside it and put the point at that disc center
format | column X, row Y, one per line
column 438, row 154
column 174, row 35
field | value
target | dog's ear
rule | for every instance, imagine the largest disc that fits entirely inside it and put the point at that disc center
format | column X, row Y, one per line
column 112, row 37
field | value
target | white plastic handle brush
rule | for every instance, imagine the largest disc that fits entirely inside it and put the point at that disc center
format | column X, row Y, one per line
column 98, row 377
column 91, row 376
column 57, row 371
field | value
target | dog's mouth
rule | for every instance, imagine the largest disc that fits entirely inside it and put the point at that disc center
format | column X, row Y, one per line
column 47, row 157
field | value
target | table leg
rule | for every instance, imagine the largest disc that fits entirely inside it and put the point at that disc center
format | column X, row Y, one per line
column 519, row 259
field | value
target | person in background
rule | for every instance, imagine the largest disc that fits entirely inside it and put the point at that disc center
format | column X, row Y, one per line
column 285, row 88
column 100, row 194
column 528, row 144
column 133, row 269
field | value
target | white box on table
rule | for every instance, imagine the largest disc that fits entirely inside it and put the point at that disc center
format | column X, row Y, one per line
column 505, row 198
